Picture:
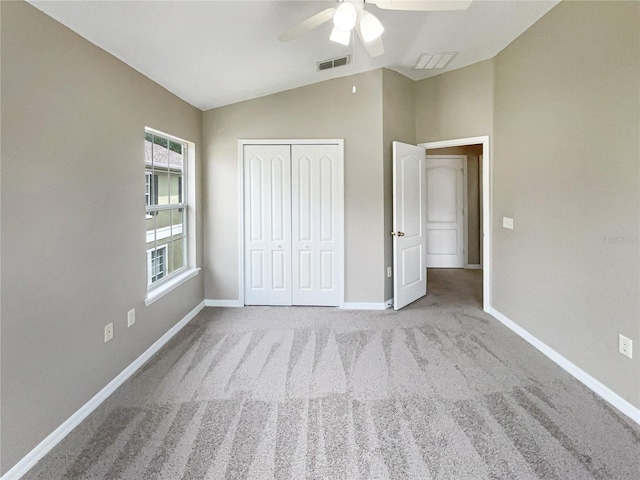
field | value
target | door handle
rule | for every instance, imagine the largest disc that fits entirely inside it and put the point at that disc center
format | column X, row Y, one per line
column 398, row 234
column 278, row 246
column 307, row 246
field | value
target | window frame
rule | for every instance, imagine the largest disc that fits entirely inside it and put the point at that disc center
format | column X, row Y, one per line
column 152, row 211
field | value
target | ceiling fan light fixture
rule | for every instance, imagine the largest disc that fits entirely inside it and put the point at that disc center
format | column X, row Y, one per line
column 370, row 27
column 345, row 17
column 343, row 37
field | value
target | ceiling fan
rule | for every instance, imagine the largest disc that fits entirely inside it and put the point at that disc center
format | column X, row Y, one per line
column 350, row 15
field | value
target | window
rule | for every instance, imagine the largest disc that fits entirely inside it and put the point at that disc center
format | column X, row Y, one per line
column 156, row 263
column 166, row 208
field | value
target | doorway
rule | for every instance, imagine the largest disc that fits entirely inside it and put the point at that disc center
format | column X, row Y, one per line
column 484, row 210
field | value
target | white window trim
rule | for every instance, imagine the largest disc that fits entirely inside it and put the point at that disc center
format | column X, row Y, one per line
column 152, row 286
column 189, row 271
column 158, row 291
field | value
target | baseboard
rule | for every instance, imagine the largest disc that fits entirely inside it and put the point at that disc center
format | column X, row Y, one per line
column 603, row 391
column 28, row 462
column 473, row 266
column 223, row 303
column 366, row 306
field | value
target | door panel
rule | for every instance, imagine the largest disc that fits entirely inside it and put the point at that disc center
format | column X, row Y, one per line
column 327, row 274
column 442, row 242
column 267, row 190
column 445, row 211
column 256, row 269
column 409, row 190
column 316, row 171
column 441, row 194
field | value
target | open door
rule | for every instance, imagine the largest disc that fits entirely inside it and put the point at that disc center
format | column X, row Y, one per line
column 409, row 247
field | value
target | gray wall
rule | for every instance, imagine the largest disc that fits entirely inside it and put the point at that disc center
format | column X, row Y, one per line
column 73, row 228
column 456, row 104
column 565, row 167
column 398, row 108
column 324, row 110
column 474, row 202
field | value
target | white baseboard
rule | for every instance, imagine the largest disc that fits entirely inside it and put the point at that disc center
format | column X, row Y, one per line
column 473, row 266
column 24, row 465
column 223, row 303
column 605, row 392
column 366, row 306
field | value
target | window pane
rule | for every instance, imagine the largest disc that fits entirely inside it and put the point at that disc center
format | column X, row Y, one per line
column 151, row 231
column 163, row 226
column 154, row 189
column 176, row 160
column 177, row 254
column 160, row 152
column 147, row 188
column 175, row 181
column 158, row 264
column 162, row 191
column 147, row 149
column 177, row 222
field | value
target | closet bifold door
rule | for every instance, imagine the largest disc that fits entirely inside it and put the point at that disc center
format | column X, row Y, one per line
column 267, row 224
column 315, row 184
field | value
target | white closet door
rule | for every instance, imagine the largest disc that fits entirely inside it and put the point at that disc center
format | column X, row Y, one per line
column 267, row 216
column 316, row 224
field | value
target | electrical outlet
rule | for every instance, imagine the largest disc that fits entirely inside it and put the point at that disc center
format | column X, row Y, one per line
column 108, row 332
column 625, row 346
column 131, row 317
column 389, row 272
column 507, row 222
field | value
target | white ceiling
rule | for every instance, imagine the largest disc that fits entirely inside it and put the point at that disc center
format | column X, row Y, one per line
column 213, row 53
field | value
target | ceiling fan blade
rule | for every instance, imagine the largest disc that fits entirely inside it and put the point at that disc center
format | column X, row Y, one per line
column 422, row 5
column 307, row 25
column 375, row 48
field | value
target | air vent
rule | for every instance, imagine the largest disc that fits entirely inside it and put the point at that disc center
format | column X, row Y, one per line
column 434, row 61
column 334, row 62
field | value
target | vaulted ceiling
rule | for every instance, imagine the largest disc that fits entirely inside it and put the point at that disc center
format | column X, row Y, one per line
column 213, row 53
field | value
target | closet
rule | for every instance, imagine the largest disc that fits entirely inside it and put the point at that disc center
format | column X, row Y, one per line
column 293, row 223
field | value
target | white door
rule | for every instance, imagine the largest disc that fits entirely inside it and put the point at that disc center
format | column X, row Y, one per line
column 267, row 224
column 409, row 263
column 445, row 219
column 316, row 172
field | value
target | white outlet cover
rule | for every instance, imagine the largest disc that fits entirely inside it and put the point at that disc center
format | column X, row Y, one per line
column 507, row 222
column 131, row 317
column 625, row 346
column 108, row 332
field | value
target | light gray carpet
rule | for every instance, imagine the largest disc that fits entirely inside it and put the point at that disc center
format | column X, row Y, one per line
column 439, row 390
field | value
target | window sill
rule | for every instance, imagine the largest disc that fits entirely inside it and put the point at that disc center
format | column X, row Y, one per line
column 160, row 291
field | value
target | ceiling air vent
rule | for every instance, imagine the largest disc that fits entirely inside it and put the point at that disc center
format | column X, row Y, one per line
column 434, row 61
column 334, row 62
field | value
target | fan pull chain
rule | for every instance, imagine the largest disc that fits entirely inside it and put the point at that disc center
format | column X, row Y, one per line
column 353, row 58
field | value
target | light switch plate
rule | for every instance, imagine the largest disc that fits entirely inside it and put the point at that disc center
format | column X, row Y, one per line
column 507, row 222
column 131, row 317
